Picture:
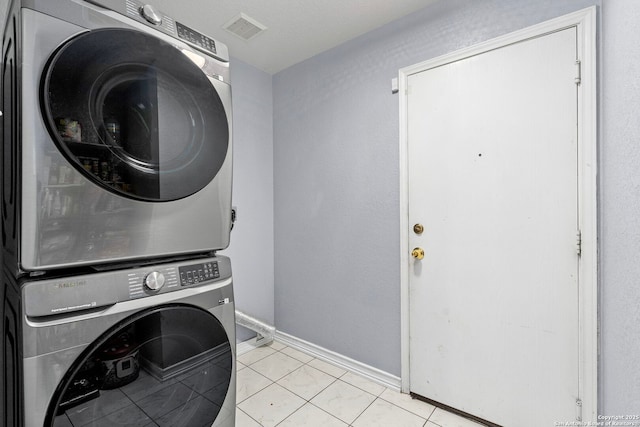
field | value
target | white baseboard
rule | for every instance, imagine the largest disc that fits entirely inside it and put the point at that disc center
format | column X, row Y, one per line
column 374, row 374
column 344, row 362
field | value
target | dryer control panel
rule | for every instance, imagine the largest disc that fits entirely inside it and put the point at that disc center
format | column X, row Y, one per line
column 151, row 16
column 196, row 38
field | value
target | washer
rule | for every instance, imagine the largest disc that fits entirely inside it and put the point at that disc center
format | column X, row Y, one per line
column 152, row 345
column 117, row 135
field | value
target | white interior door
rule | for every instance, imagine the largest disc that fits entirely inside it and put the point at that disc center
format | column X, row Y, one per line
column 493, row 178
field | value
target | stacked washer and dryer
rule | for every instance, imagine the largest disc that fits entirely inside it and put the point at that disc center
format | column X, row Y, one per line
column 116, row 195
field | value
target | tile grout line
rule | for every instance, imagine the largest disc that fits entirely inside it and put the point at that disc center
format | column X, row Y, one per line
column 363, row 411
column 335, row 379
column 410, row 411
column 258, row 391
column 257, row 422
column 338, row 378
column 306, row 400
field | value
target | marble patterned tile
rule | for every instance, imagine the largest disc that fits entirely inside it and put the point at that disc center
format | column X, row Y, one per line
column 130, row 416
column 62, row 421
column 363, row 383
column 350, row 400
column 248, row 383
column 447, row 419
column 405, row 401
column 343, row 401
column 383, row 414
column 108, row 402
column 144, row 385
column 207, row 378
column 306, row 381
column 311, row 416
column 327, row 368
column 256, row 354
column 276, row 345
column 276, row 366
column 217, row 394
column 244, row 420
column 166, row 400
column 196, row 412
column 297, row 354
column 271, row 405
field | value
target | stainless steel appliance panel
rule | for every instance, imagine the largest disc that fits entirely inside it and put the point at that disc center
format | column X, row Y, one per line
column 135, row 347
column 69, row 218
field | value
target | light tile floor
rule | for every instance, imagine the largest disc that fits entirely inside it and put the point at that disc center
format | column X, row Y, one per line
column 281, row 386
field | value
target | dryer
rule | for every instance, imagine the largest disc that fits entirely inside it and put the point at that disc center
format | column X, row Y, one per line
column 153, row 345
column 117, row 136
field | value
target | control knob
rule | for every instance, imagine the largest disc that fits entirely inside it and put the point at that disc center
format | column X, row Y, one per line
column 154, row 280
column 150, row 13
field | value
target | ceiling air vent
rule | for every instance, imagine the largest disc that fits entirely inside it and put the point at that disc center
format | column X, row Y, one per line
column 244, row 27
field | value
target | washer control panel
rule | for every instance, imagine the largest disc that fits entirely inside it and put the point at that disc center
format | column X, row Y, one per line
column 197, row 273
column 144, row 282
column 61, row 295
column 94, row 291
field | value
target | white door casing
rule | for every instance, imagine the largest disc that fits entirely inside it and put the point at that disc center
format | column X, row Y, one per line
column 503, row 299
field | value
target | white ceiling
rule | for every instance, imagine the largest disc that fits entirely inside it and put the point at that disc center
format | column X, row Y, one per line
column 296, row 29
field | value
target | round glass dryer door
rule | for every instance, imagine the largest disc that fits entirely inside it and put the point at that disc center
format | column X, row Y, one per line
column 167, row 366
column 135, row 115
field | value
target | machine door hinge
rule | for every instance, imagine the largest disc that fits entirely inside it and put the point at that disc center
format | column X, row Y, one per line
column 578, row 78
column 578, row 410
column 579, row 242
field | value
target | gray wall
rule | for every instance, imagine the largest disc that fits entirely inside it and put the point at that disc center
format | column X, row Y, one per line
column 251, row 248
column 335, row 174
column 620, row 208
column 337, row 273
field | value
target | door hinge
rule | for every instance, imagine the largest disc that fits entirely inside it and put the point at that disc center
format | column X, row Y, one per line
column 578, row 78
column 579, row 242
column 578, row 410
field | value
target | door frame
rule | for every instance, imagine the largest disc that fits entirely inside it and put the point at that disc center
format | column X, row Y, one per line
column 585, row 23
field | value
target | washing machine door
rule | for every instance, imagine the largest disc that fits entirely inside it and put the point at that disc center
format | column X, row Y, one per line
column 135, row 114
column 169, row 366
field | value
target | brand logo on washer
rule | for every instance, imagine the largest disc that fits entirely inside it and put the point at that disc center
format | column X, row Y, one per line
column 65, row 285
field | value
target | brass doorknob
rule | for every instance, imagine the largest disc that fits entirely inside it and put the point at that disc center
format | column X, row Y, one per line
column 418, row 228
column 417, row 253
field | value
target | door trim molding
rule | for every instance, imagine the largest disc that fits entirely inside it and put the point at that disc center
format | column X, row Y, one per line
column 585, row 23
